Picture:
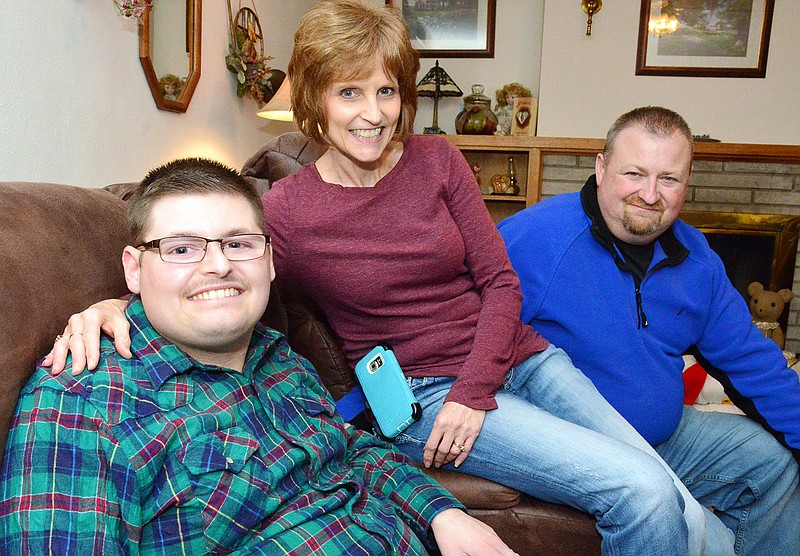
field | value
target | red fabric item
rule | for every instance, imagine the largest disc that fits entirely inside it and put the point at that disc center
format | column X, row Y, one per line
column 694, row 377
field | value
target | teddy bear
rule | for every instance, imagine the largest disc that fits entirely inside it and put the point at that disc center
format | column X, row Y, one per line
column 766, row 307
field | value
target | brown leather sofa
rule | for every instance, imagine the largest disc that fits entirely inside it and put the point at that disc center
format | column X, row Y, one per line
column 60, row 252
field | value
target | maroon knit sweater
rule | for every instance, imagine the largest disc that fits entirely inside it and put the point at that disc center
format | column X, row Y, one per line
column 415, row 261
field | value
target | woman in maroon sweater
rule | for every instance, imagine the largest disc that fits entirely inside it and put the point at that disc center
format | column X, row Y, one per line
column 389, row 235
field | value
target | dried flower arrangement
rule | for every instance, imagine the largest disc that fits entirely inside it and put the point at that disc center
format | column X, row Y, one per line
column 134, row 8
column 247, row 59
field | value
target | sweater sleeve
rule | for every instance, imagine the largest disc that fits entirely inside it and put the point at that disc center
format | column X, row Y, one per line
column 498, row 328
column 752, row 369
column 527, row 262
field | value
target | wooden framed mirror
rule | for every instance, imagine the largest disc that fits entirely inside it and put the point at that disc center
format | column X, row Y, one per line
column 169, row 50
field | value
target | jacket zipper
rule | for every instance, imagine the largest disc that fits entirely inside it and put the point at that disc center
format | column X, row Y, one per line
column 640, row 314
column 641, row 317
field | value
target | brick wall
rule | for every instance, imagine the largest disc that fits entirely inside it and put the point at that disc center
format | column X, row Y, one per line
column 756, row 187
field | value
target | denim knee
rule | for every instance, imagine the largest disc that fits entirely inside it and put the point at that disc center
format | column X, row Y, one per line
column 649, row 488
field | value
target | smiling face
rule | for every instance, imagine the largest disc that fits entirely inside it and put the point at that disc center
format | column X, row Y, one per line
column 208, row 308
column 362, row 117
column 642, row 183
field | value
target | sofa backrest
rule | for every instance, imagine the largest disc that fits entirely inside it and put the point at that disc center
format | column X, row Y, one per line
column 60, row 252
column 279, row 157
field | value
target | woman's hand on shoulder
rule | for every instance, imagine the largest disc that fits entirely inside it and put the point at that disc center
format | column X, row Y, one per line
column 454, row 432
column 81, row 337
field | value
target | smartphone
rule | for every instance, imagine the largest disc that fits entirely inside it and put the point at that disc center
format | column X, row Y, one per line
column 388, row 395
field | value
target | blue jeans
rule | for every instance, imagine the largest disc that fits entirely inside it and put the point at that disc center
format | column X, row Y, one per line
column 730, row 463
column 555, row 437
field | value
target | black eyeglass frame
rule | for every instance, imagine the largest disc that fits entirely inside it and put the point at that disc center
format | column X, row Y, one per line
column 156, row 244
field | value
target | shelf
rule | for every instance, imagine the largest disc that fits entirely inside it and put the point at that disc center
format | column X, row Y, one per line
column 493, row 142
column 508, row 198
column 490, row 154
column 532, row 150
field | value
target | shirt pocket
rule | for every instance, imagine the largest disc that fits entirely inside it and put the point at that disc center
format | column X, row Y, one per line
column 309, row 422
column 231, row 485
column 219, row 451
column 304, row 414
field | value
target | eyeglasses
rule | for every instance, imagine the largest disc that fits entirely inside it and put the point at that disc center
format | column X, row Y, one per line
column 192, row 249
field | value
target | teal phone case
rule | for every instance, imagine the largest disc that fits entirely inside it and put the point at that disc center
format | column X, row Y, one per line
column 388, row 395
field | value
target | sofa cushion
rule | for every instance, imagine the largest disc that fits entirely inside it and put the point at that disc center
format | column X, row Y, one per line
column 124, row 190
column 311, row 337
column 61, row 252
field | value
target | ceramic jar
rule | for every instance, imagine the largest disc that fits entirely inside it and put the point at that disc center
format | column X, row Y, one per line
column 477, row 117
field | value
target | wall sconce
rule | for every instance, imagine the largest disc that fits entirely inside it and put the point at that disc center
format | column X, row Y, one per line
column 590, row 7
column 437, row 84
column 279, row 106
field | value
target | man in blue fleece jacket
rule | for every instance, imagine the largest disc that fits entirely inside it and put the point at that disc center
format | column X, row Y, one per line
column 611, row 276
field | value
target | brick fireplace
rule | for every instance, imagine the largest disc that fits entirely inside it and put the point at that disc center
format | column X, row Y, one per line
column 754, row 179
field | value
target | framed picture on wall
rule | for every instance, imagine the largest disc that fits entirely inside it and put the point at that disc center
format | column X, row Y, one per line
column 450, row 28
column 704, row 38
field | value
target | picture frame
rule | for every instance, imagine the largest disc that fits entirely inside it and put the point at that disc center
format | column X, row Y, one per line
column 462, row 29
column 526, row 111
column 724, row 41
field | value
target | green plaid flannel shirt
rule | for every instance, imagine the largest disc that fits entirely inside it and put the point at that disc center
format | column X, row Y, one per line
column 163, row 455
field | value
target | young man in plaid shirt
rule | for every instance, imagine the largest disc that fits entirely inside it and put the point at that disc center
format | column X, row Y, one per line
column 215, row 436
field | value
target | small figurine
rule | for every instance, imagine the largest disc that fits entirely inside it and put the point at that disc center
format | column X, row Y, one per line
column 476, row 169
column 505, row 105
column 171, row 86
column 766, row 307
column 501, row 184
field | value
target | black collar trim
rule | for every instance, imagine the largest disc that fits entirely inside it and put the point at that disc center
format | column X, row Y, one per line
column 675, row 251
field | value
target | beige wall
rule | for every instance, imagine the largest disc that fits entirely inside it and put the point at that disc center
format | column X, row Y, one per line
column 518, row 43
column 587, row 81
column 76, row 107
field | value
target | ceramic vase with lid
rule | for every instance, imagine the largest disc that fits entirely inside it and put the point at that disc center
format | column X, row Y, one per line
column 477, row 117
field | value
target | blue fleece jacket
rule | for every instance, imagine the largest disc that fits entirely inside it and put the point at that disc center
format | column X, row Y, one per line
column 579, row 294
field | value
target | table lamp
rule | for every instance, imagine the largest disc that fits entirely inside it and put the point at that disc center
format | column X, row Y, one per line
column 279, row 106
column 437, row 84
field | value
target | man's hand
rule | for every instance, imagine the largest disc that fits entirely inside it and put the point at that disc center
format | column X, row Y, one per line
column 458, row 534
column 82, row 337
column 454, row 432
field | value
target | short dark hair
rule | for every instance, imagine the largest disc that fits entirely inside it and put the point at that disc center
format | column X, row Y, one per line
column 337, row 40
column 188, row 176
column 656, row 120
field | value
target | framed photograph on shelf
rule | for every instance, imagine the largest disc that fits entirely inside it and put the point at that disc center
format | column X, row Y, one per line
column 454, row 29
column 526, row 110
column 704, row 38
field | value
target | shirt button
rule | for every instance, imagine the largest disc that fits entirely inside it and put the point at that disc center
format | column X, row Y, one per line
column 229, row 460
